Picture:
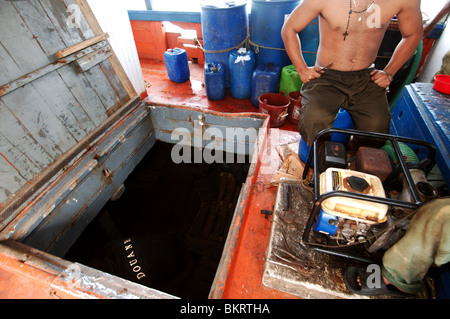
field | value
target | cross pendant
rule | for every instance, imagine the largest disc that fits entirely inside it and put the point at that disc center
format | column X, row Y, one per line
column 345, row 34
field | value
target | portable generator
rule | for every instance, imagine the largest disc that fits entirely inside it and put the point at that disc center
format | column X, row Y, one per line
column 364, row 197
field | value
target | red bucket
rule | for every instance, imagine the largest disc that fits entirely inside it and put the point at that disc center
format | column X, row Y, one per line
column 295, row 106
column 276, row 105
column 442, row 83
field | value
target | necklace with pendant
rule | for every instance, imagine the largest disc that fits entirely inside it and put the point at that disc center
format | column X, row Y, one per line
column 362, row 12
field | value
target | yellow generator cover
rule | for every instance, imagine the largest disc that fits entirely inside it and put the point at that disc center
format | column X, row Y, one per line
column 358, row 209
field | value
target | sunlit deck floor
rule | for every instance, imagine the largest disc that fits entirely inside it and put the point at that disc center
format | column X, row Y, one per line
column 193, row 92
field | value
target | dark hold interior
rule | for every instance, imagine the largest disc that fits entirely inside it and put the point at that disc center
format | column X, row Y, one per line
column 168, row 229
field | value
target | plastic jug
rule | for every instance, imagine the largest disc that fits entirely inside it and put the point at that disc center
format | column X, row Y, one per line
column 215, row 82
column 241, row 64
column 177, row 65
column 265, row 79
column 290, row 80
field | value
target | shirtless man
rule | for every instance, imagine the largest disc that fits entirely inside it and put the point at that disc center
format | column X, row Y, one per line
column 351, row 32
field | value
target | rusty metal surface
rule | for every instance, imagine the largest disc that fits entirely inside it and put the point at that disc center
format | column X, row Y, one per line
column 28, row 273
column 240, row 272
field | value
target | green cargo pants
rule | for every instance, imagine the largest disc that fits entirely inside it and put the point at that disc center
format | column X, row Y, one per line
column 352, row 90
column 426, row 242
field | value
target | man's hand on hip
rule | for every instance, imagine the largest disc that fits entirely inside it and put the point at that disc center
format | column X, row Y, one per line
column 310, row 73
column 382, row 78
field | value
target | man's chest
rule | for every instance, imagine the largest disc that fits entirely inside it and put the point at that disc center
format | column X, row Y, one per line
column 368, row 16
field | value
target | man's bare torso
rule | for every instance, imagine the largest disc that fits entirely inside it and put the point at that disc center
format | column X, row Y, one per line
column 362, row 38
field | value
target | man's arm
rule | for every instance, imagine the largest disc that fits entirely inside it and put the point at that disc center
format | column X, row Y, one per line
column 430, row 26
column 297, row 21
column 411, row 28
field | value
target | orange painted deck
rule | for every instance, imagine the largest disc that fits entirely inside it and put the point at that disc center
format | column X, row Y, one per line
column 244, row 279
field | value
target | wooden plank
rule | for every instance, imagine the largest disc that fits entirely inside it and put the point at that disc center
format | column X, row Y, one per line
column 92, row 59
column 25, row 167
column 35, row 74
column 102, row 87
column 68, row 21
column 38, row 118
column 89, row 16
column 9, row 211
column 9, row 70
column 80, row 46
column 20, row 138
column 122, row 75
column 60, row 100
column 95, row 26
column 11, row 180
column 84, row 93
column 82, row 24
column 39, row 24
column 150, row 38
column 18, row 41
column 109, row 71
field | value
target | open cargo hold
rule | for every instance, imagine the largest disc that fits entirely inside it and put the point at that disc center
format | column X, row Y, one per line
column 72, row 130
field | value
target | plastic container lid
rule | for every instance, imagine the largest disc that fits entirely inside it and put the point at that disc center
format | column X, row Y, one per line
column 214, row 4
column 357, row 209
column 442, row 83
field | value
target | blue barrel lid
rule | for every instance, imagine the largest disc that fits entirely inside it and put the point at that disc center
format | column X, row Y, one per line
column 214, row 4
column 275, row 1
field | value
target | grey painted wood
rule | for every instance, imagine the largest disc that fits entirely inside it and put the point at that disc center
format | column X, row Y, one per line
column 13, row 130
column 57, row 96
column 37, row 21
column 19, row 42
column 38, row 118
column 84, row 93
column 48, row 106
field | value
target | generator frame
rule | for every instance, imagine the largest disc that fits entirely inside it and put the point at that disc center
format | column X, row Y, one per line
column 319, row 198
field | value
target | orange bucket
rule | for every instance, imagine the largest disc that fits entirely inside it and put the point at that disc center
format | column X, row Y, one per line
column 276, row 105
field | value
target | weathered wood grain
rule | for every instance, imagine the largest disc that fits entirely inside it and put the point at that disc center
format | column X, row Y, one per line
column 48, row 107
column 42, row 28
column 80, row 46
column 92, row 59
column 84, row 93
column 38, row 118
column 19, row 42
column 46, row 69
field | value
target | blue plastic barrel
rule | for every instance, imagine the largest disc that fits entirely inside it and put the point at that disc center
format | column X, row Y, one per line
column 343, row 120
column 303, row 151
column 177, row 65
column 309, row 38
column 265, row 79
column 266, row 20
column 242, row 64
column 224, row 27
column 215, row 81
